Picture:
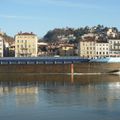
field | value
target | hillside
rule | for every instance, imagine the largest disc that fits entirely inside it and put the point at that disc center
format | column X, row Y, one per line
column 75, row 34
column 8, row 38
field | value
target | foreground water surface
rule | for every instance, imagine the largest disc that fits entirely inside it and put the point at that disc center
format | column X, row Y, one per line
column 59, row 97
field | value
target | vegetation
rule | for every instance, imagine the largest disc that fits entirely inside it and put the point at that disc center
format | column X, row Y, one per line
column 52, row 35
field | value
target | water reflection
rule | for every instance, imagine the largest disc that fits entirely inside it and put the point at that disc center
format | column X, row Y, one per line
column 29, row 85
column 26, row 95
column 42, row 93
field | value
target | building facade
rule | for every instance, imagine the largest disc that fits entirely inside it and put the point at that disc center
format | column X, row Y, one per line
column 26, row 45
column 1, row 46
column 93, row 49
column 87, row 49
column 102, row 49
column 114, row 47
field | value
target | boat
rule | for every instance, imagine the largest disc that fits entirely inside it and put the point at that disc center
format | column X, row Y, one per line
column 106, row 60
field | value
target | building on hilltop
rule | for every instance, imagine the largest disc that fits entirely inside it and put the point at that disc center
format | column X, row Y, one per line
column 26, row 45
column 112, row 33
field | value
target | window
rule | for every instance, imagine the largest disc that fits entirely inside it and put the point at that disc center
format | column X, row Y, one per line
column 21, row 46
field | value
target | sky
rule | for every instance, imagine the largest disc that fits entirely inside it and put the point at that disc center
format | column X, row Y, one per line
column 40, row 16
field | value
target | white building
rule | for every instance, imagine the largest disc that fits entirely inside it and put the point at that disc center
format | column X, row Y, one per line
column 102, row 49
column 1, row 46
column 114, row 47
column 87, row 48
column 26, row 45
column 111, row 33
column 91, row 48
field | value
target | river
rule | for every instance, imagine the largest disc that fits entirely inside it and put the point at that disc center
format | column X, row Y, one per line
column 33, row 96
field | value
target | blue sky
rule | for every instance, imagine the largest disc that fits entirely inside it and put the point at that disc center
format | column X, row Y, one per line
column 39, row 16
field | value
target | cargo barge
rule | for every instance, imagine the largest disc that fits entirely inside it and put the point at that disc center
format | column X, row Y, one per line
column 58, row 65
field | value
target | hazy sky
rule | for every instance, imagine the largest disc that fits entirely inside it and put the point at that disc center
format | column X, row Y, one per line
column 39, row 16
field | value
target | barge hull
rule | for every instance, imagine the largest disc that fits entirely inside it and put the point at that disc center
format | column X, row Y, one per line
column 60, row 68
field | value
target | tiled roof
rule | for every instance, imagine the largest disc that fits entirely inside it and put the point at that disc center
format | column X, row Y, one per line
column 25, row 33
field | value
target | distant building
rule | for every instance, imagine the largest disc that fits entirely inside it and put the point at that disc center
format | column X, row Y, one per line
column 112, row 33
column 91, row 48
column 42, row 49
column 26, row 45
column 114, row 47
column 87, row 48
column 1, row 46
column 12, row 50
column 67, row 50
column 102, row 49
column 2, row 33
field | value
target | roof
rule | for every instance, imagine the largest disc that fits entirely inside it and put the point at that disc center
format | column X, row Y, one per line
column 114, row 39
column 25, row 33
column 102, row 41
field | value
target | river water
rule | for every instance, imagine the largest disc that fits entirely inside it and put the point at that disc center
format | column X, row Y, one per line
column 59, row 97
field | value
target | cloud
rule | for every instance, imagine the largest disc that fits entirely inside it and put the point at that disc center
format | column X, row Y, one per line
column 74, row 4
column 27, row 18
column 18, row 17
column 83, row 4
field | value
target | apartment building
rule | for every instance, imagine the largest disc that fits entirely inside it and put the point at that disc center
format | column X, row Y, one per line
column 87, row 48
column 102, row 49
column 1, row 46
column 26, row 45
column 114, row 47
column 91, row 48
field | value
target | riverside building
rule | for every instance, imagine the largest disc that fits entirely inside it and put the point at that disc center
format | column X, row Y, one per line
column 87, row 48
column 102, row 49
column 114, row 47
column 26, row 45
column 91, row 48
column 1, row 46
